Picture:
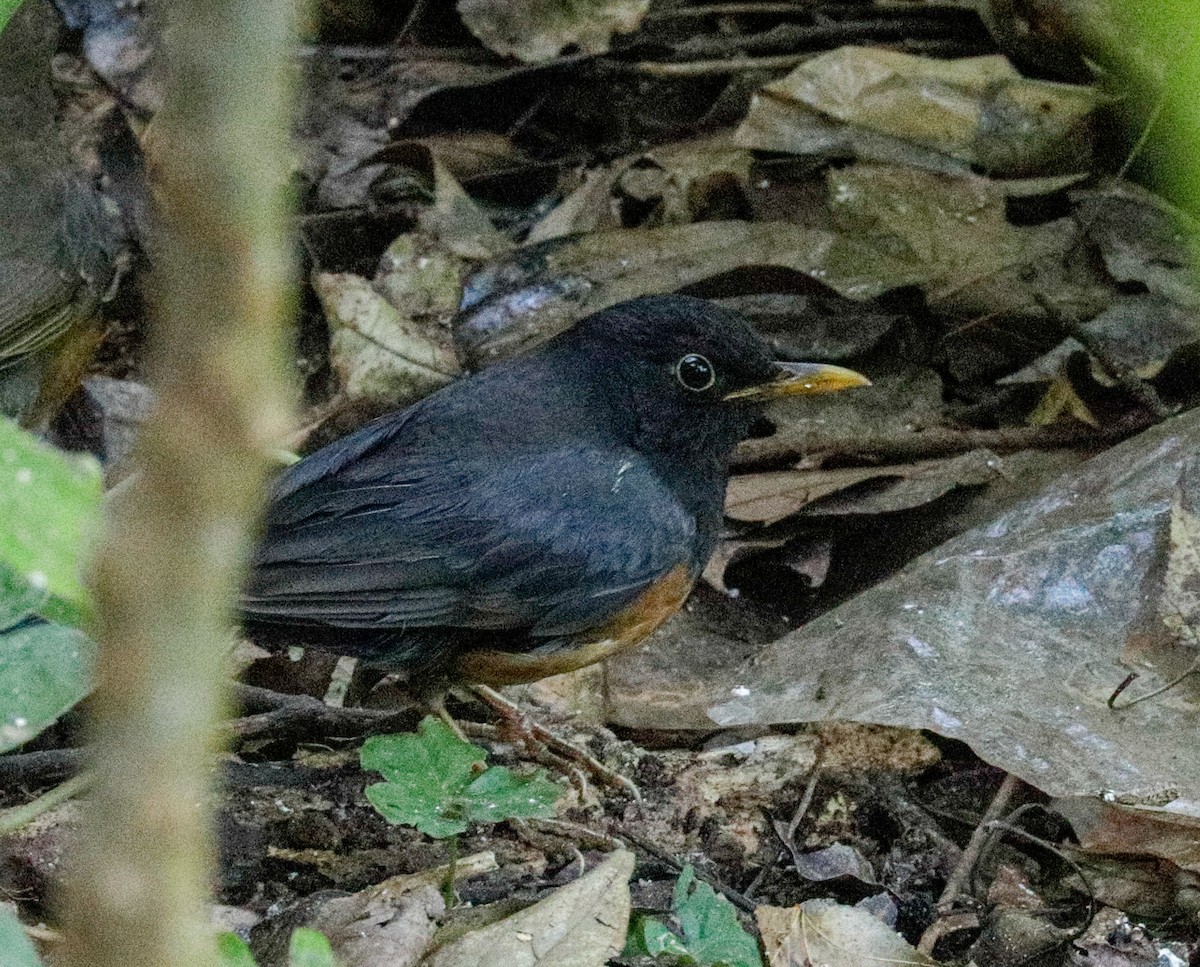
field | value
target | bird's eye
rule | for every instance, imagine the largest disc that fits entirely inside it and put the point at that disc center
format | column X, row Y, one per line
column 695, row 372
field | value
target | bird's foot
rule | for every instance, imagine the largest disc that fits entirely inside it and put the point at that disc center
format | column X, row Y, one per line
column 544, row 744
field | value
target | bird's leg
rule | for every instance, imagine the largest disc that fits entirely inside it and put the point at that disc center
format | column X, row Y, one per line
column 438, row 707
column 533, row 734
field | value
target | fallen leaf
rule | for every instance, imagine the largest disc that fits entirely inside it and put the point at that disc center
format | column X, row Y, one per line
column 827, row 933
column 589, row 207
column 522, row 299
column 942, row 115
column 1115, row 829
column 1013, row 636
column 376, row 351
column 389, row 924
column 457, row 222
column 770, row 497
column 895, row 403
column 582, row 924
column 703, row 179
column 830, row 863
column 1142, row 238
column 976, row 265
column 817, row 328
column 537, row 30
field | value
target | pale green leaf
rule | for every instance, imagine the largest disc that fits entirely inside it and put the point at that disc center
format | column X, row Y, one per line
column 44, row 670
column 49, row 509
column 439, row 783
column 232, row 951
column 309, row 948
column 17, row 950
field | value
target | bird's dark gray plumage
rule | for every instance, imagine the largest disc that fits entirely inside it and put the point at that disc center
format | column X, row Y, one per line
column 519, row 508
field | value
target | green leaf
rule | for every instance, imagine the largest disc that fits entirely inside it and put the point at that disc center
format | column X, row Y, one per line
column 17, row 948
column 7, row 9
column 49, row 509
column 711, row 931
column 650, row 937
column 310, row 948
column 499, row 794
column 712, row 935
column 439, row 784
column 44, row 670
column 232, row 951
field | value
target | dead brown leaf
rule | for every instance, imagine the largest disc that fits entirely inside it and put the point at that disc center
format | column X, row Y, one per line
column 378, row 352
column 770, row 497
column 580, row 925
column 521, row 300
column 536, row 30
column 1013, row 636
column 943, row 115
column 827, row 933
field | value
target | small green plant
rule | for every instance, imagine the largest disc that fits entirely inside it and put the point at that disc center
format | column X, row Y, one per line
column 440, row 784
column 712, row 935
column 308, row 948
column 7, row 9
column 18, row 950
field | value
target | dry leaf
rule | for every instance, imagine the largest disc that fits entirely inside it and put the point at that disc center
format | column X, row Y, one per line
column 582, row 924
column 390, row 924
column 377, row 352
column 827, row 933
column 942, row 115
column 1113, row 829
column 457, row 222
column 1012, row 636
column 589, row 208
column 540, row 290
column 536, row 30
column 770, row 497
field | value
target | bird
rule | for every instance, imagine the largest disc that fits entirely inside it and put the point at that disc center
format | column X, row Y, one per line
column 61, row 238
column 533, row 518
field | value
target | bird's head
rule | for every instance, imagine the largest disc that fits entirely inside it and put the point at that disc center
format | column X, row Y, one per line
column 694, row 374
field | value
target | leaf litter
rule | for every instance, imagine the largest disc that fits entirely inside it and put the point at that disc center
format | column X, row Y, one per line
column 950, row 225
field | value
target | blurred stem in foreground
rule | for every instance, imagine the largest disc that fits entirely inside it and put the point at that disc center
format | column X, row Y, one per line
column 176, row 545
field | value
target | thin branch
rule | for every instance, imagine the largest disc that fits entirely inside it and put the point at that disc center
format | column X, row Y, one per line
column 638, row 842
column 902, row 447
column 733, row 9
column 39, row 768
column 13, row 819
column 707, row 68
column 176, row 544
column 948, row 921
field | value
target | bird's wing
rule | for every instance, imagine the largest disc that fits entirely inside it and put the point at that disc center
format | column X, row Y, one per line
column 363, row 537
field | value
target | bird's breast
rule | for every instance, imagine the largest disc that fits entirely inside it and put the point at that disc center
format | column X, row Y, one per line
column 630, row 626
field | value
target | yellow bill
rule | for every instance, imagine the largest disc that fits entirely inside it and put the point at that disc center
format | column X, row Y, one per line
column 797, row 379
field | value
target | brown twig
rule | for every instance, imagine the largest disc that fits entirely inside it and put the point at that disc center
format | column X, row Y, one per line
column 998, row 828
column 966, row 862
column 795, row 38
column 1134, row 386
column 903, row 447
column 40, row 768
column 806, row 800
column 303, row 718
column 706, row 68
column 732, row 9
column 737, row 899
column 970, row 856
